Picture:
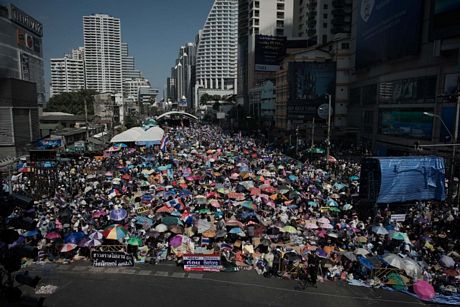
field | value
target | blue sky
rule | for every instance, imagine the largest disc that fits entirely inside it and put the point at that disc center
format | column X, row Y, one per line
column 153, row 29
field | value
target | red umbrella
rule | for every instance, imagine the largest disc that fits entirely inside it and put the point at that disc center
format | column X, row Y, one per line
column 52, row 235
column 331, row 159
column 126, row 177
column 255, row 191
column 234, row 223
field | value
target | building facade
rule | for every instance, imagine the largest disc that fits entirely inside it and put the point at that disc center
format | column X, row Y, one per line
column 393, row 88
column 21, row 52
column 320, row 21
column 67, row 74
column 216, row 57
column 129, row 70
column 103, row 59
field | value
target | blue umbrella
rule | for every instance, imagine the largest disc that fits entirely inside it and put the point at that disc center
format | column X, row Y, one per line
column 185, row 193
column 143, row 220
column 147, row 197
column 354, row 178
column 74, row 237
column 31, row 233
column 122, row 145
column 293, row 177
column 118, row 214
column 313, row 204
column 236, row 230
column 321, row 253
column 339, row 186
column 332, row 203
column 365, row 262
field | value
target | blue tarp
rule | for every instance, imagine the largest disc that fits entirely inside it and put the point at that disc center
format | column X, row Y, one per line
column 411, row 178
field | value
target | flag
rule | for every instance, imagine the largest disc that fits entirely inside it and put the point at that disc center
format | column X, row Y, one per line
column 205, row 241
column 164, row 143
column 175, row 203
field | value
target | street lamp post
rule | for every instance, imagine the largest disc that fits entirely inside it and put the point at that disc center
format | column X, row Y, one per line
column 453, row 140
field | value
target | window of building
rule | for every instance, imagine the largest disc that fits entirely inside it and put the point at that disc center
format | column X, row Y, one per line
column 256, row 4
column 345, row 46
column 279, row 23
column 325, row 16
column 324, row 38
column 256, row 13
column 279, row 32
column 256, row 21
column 256, row 31
column 326, row 6
column 280, row 6
column 325, row 25
column 280, row 15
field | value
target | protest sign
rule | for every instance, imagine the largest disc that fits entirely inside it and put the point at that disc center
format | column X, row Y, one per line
column 111, row 259
column 143, row 210
column 398, row 217
column 202, row 263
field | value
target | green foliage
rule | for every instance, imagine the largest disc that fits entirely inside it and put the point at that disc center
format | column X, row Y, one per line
column 216, row 105
column 131, row 121
column 72, row 102
column 205, row 98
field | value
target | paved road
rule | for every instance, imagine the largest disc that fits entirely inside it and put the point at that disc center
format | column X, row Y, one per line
column 168, row 285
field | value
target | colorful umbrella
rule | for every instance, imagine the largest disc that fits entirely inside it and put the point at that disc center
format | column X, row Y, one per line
column 68, row 247
column 393, row 260
column 249, row 205
column 135, row 241
column 380, row 230
column 92, row 243
column 289, row 229
column 424, row 290
column 74, row 237
column 31, row 233
column 115, row 232
column 52, row 235
column 96, row 235
column 400, row 236
column 118, row 214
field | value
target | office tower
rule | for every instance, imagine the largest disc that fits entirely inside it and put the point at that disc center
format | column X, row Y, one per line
column 103, row 64
column 216, row 59
column 262, row 26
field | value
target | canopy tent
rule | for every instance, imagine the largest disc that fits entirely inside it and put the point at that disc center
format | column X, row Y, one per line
column 130, row 135
column 153, row 135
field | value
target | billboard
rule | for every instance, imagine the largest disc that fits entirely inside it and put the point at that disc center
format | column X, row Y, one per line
column 444, row 18
column 269, row 52
column 411, row 124
column 387, row 30
column 309, row 83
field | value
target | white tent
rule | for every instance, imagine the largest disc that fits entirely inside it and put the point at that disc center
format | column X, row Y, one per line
column 154, row 134
column 130, row 135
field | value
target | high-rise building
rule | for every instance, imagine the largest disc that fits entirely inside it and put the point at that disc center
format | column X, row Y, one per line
column 216, row 59
column 182, row 80
column 320, row 21
column 129, row 70
column 103, row 60
column 21, row 53
column 263, row 27
column 67, row 73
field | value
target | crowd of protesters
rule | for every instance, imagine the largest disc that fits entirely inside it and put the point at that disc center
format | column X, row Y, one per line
column 204, row 190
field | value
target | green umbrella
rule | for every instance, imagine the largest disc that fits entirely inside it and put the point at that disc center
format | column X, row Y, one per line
column 289, row 229
column 396, row 282
column 135, row 241
column 171, row 220
column 334, row 209
column 398, row 235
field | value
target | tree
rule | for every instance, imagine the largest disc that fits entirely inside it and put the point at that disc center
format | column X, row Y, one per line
column 205, row 98
column 72, row 102
column 216, row 105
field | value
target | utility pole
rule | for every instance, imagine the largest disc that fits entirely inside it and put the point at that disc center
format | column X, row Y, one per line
column 328, row 145
column 454, row 151
column 86, row 119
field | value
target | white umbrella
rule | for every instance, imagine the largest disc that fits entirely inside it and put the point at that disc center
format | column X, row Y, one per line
column 411, row 267
column 361, row 251
column 394, row 260
column 380, row 230
column 447, row 261
column 161, row 228
column 326, row 226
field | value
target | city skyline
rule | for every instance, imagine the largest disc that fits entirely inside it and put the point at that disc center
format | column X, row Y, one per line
column 63, row 31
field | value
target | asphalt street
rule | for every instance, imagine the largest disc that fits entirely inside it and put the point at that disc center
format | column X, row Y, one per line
column 168, row 285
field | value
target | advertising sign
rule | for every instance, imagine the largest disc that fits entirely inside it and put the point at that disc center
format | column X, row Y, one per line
column 269, row 52
column 202, row 263
column 183, row 103
column 111, row 259
column 444, row 20
column 25, row 20
column 387, row 30
column 309, row 83
column 412, row 124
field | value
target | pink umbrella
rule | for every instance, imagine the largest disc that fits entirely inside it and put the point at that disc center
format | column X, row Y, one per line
column 52, row 235
column 311, row 226
column 327, row 226
column 321, row 233
column 323, row 220
column 68, row 247
column 424, row 290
